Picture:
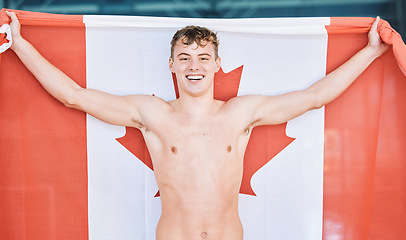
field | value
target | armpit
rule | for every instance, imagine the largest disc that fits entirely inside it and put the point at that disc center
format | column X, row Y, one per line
column 138, row 124
column 249, row 128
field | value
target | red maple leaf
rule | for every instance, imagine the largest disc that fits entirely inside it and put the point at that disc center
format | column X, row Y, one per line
column 265, row 142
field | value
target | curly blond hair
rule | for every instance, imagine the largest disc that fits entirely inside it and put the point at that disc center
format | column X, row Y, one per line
column 201, row 35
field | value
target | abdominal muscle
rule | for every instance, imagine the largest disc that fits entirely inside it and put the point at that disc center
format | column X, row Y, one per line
column 199, row 222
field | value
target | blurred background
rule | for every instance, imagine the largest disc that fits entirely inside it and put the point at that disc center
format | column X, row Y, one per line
column 391, row 10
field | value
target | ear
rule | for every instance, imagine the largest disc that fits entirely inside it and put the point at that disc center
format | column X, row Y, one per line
column 218, row 64
column 171, row 65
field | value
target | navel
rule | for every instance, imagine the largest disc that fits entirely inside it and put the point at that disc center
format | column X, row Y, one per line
column 174, row 150
column 229, row 148
column 204, row 234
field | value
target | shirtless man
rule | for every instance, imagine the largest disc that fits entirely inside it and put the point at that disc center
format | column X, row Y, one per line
column 197, row 143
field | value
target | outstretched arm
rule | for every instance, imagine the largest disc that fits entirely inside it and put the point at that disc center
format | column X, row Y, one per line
column 118, row 110
column 282, row 108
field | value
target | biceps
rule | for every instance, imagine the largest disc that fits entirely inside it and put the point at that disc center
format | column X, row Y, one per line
column 282, row 108
column 113, row 109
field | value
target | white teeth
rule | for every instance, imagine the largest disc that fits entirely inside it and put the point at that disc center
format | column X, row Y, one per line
column 194, row 77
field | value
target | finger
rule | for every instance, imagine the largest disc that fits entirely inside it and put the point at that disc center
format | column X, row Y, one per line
column 374, row 26
column 12, row 15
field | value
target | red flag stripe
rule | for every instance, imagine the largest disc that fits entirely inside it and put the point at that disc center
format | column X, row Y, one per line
column 43, row 162
column 353, row 152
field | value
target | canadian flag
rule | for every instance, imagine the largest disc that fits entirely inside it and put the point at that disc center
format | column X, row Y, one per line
column 332, row 173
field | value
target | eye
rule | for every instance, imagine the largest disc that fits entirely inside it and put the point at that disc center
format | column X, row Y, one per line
column 204, row 59
column 183, row 59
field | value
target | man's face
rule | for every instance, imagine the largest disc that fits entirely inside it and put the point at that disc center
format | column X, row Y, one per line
column 194, row 67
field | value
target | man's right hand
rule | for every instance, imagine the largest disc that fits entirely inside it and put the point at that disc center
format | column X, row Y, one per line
column 15, row 27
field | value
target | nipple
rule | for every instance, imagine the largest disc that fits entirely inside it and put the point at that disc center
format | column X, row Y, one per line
column 229, row 148
column 204, row 234
column 174, row 150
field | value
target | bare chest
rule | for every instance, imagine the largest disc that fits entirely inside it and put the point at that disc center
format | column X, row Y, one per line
column 182, row 138
column 214, row 137
column 207, row 154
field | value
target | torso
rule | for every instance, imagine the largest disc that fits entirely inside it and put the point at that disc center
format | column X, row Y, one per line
column 198, row 165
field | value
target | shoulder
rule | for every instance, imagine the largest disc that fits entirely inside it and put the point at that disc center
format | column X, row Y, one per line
column 253, row 109
column 243, row 108
column 148, row 108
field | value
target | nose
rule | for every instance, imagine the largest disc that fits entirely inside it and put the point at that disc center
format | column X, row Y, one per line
column 194, row 65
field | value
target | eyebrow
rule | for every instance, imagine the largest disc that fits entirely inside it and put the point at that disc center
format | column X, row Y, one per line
column 204, row 54
column 201, row 54
column 183, row 54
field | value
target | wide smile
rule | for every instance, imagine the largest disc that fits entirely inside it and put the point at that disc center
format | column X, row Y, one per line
column 196, row 77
